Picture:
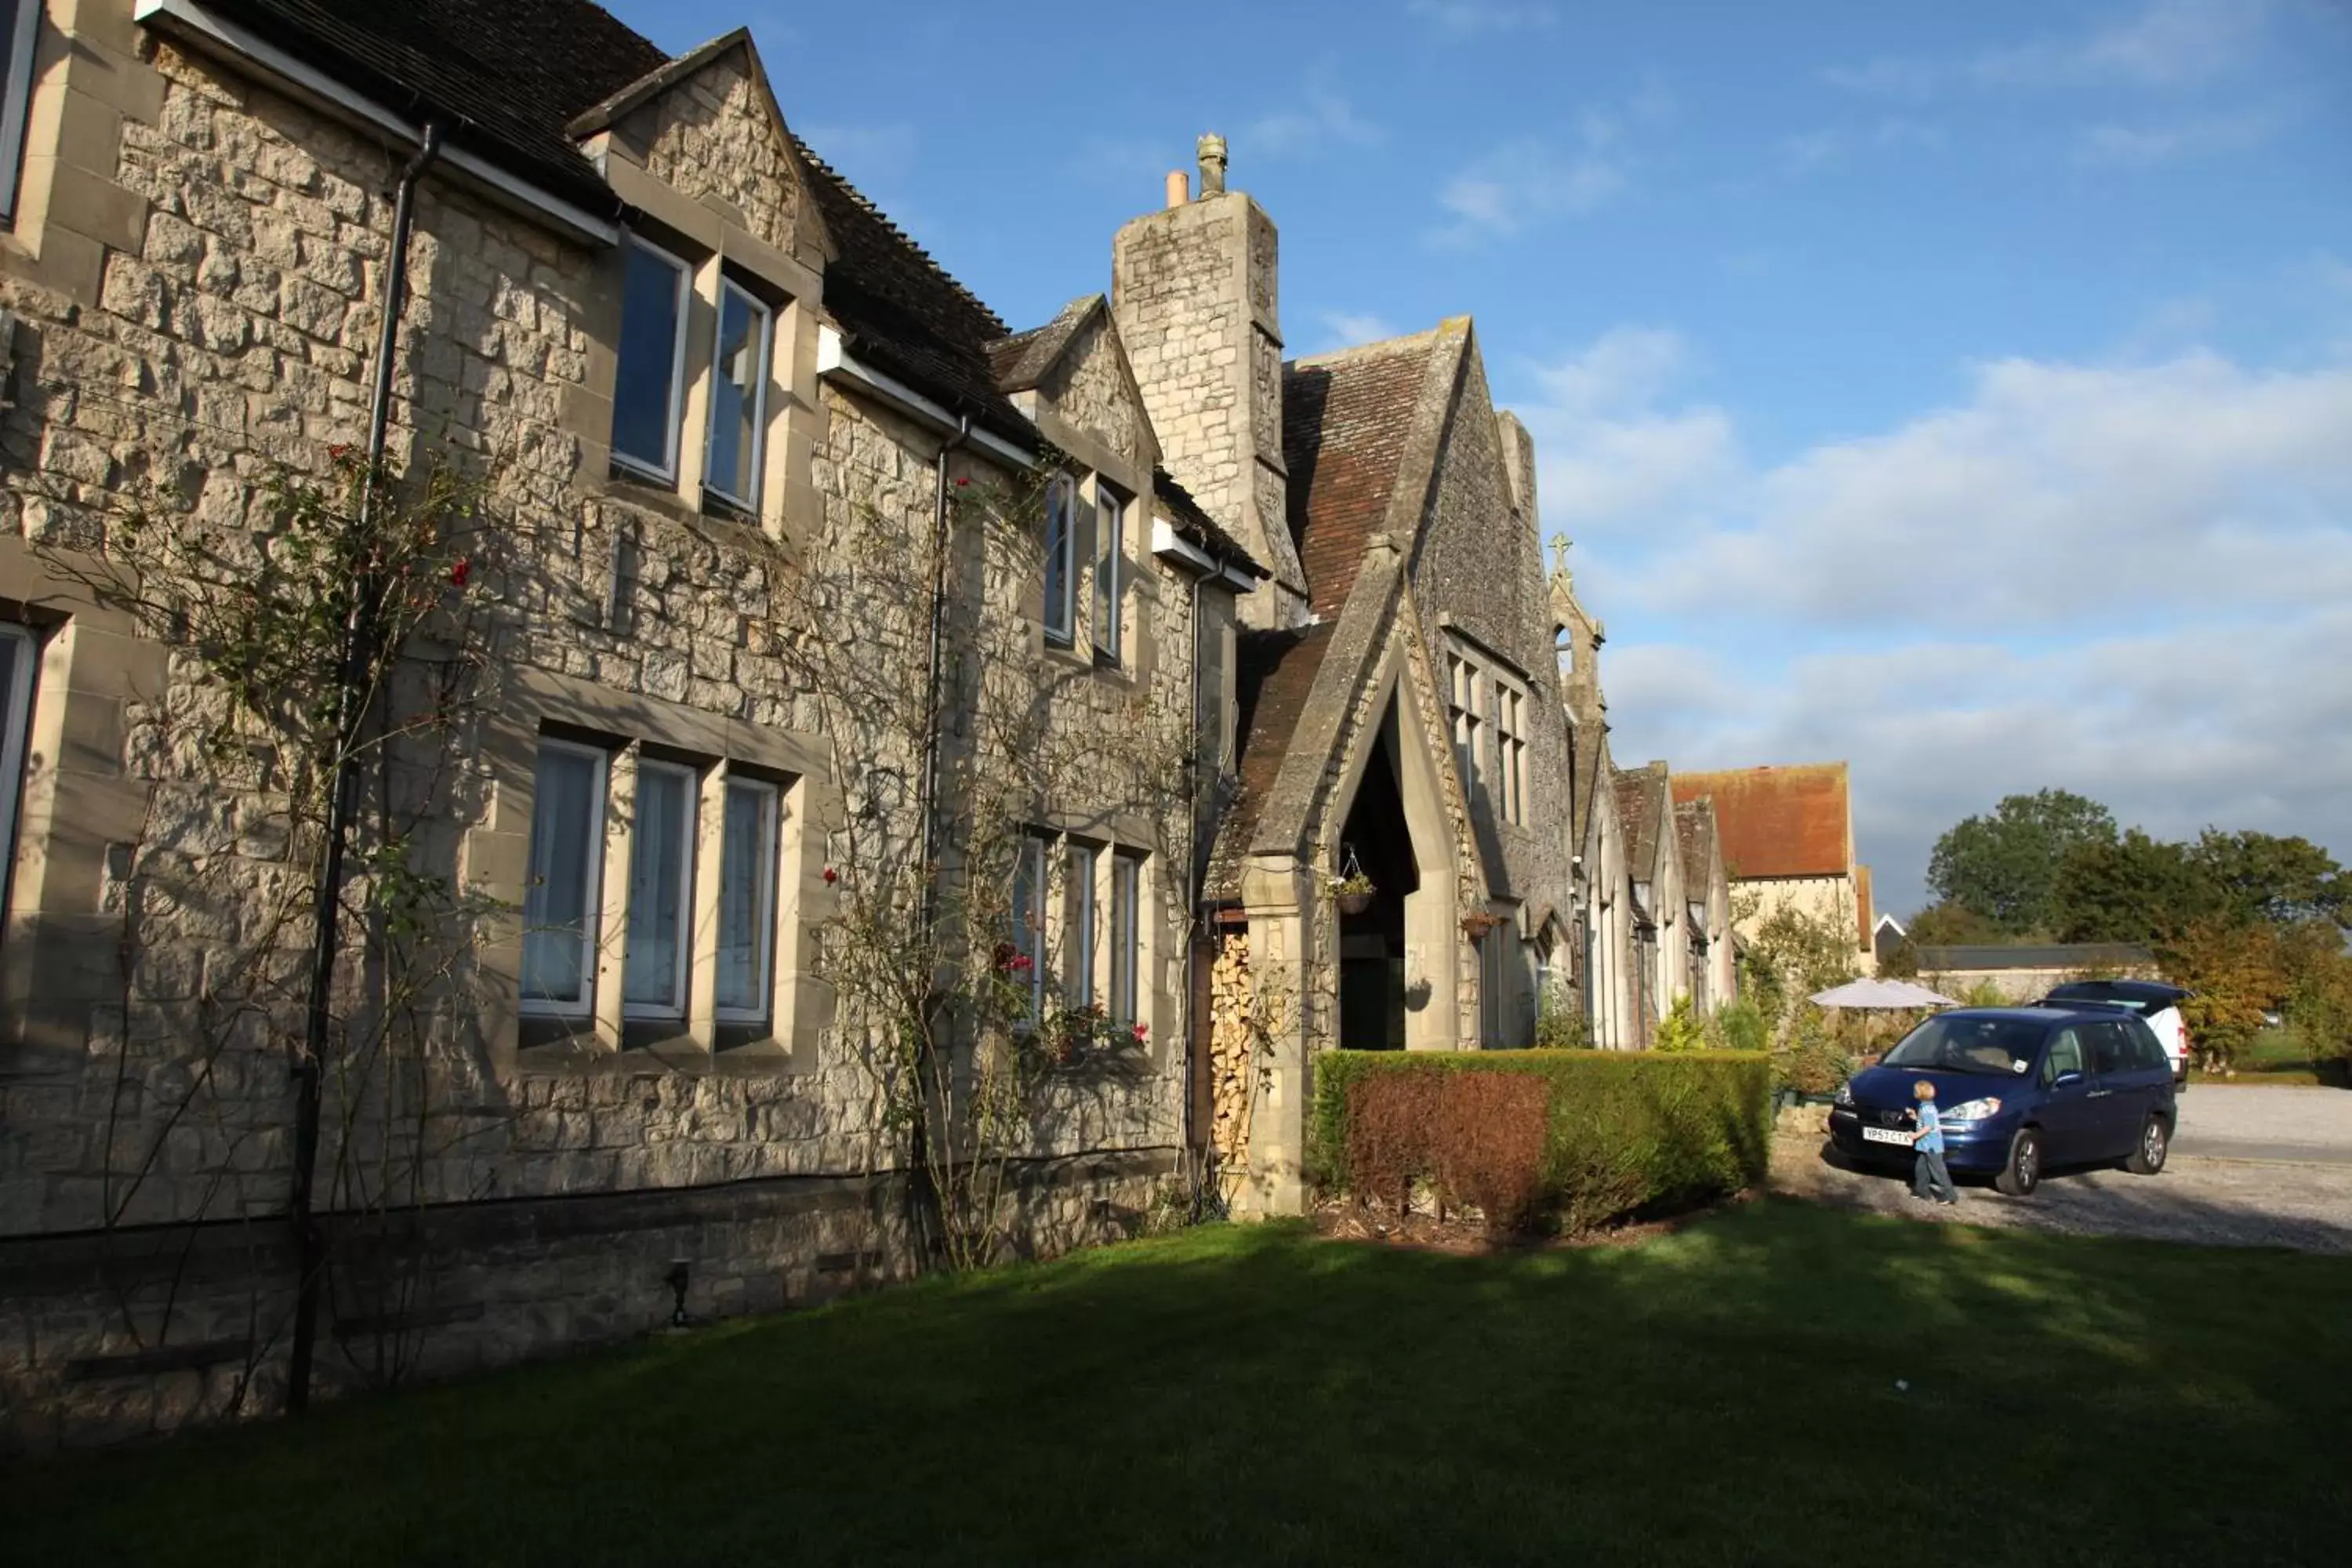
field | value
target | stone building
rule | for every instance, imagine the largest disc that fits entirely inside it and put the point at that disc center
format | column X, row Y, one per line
column 694, row 373
column 1787, row 838
column 782, row 545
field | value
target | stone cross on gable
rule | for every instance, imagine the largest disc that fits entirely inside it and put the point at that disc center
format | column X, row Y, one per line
column 1560, row 543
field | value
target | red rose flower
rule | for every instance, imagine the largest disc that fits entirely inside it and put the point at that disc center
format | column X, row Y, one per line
column 1142, row 1030
column 830, row 876
column 962, row 479
column 459, row 572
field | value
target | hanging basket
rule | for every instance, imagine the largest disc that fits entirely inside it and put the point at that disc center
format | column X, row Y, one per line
column 1351, row 889
column 1354, row 903
column 1476, row 926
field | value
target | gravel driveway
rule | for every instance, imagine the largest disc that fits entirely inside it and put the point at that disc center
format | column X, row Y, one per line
column 2250, row 1167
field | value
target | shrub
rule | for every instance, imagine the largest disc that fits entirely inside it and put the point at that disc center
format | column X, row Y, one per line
column 1740, row 1025
column 1621, row 1132
column 1561, row 1023
column 1678, row 1030
column 1478, row 1138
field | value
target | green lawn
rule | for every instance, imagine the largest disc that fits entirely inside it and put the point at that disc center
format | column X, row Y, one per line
column 1724, row 1394
column 2283, row 1056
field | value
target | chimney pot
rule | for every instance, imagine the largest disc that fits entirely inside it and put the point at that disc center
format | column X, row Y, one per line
column 1180, row 187
column 1212, row 150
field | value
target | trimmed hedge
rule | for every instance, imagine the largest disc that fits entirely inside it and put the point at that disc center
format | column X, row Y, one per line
column 1623, row 1131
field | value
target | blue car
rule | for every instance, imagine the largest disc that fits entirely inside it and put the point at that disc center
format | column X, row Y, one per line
column 2019, row 1091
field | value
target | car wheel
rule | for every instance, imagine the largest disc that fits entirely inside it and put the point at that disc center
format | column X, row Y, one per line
column 2023, row 1173
column 2147, row 1157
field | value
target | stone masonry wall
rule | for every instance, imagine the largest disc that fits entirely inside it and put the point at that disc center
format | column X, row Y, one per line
column 228, row 337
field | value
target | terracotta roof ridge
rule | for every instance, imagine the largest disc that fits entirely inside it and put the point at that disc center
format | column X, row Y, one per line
column 866, row 203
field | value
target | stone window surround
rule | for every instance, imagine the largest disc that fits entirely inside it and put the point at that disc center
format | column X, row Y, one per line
column 15, row 728
column 718, row 249
column 496, row 857
column 1094, row 462
column 20, row 21
column 1467, row 658
column 1111, row 845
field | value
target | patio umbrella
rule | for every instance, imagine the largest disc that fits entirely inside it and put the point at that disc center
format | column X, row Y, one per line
column 1882, row 993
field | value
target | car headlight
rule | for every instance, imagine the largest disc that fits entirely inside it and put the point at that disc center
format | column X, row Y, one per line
column 1974, row 1109
column 1845, row 1095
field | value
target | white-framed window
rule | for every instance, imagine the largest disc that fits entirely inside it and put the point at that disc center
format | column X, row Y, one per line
column 20, row 651
column 1110, row 570
column 1468, row 750
column 1125, row 938
column 649, row 384
column 562, row 897
column 1028, row 911
column 661, row 892
column 747, row 900
column 20, row 26
column 1061, row 560
column 738, row 396
column 1510, row 750
column 1078, row 937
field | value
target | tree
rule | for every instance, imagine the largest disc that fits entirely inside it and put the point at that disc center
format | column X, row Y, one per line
column 2135, row 889
column 1950, row 925
column 2262, row 877
column 2005, row 866
column 2232, row 969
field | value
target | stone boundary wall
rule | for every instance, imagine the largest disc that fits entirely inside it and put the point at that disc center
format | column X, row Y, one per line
column 443, row 1292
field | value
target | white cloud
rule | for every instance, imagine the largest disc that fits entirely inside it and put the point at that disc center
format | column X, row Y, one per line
column 1473, row 17
column 1346, row 329
column 2163, row 45
column 1609, row 457
column 1532, row 181
column 2222, row 722
column 2142, row 146
column 1834, row 146
column 2170, row 43
column 2131, row 580
column 1324, row 119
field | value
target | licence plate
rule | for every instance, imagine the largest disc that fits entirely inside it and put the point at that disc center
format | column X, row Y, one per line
column 1884, row 1135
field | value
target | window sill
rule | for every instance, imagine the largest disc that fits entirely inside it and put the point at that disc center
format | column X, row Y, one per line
column 745, row 1050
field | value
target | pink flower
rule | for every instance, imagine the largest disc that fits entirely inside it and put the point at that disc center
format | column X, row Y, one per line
column 1021, row 963
column 1142, row 1032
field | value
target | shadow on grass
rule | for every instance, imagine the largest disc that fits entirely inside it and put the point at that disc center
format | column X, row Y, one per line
column 1728, row 1392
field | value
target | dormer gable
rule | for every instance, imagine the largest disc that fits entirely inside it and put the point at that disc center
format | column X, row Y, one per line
column 1074, row 370
column 707, row 126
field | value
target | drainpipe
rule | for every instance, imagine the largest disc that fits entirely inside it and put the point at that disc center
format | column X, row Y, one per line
column 921, row 1196
column 931, row 748
column 359, row 630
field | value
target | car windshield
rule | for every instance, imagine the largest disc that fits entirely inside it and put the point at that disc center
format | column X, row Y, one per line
column 1964, row 1044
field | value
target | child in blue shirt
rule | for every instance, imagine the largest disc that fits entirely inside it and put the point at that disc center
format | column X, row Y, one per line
column 1928, row 1142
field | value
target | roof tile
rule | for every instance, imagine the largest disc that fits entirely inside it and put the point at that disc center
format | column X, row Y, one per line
column 1346, row 419
column 1778, row 821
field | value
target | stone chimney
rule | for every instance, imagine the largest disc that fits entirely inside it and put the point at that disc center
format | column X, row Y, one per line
column 1193, row 288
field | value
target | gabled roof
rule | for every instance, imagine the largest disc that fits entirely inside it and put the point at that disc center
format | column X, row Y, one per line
column 1023, row 360
column 1274, row 675
column 901, row 311
column 513, row 76
column 1347, row 419
column 1694, row 836
column 1778, row 821
column 1195, row 526
column 1592, row 743
column 1640, row 812
column 509, row 77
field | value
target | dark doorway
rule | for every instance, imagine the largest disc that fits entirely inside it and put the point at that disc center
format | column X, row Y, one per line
column 1372, row 944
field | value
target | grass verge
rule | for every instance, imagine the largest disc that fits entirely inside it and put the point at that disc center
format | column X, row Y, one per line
column 1724, row 1394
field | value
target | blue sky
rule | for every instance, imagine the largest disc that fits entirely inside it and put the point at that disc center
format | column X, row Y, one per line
column 1962, row 390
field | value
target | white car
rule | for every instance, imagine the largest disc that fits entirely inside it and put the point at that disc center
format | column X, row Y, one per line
column 2157, row 1003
